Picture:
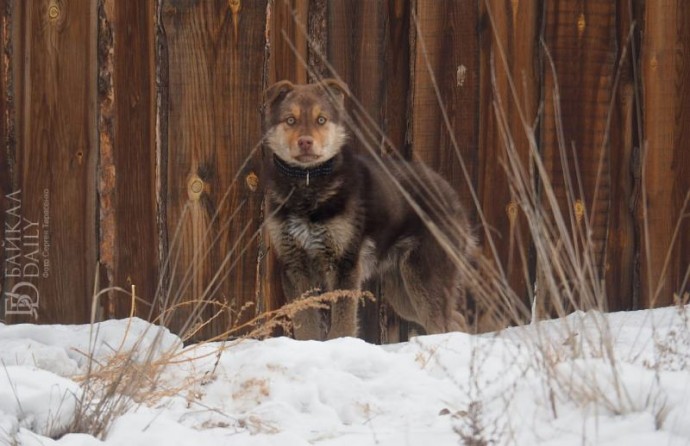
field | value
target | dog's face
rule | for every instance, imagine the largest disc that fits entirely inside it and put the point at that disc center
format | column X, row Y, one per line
column 303, row 122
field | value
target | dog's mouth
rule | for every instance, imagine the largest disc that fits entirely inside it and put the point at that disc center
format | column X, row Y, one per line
column 307, row 158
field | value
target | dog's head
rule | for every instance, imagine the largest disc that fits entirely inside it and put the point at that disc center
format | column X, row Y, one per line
column 303, row 122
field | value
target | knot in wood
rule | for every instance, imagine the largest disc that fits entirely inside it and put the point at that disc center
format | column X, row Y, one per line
column 581, row 25
column 195, row 187
column 579, row 210
column 234, row 5
column 54, row 11
column 512, row 211
column 252, row 181
column 461, row 75
column 653, row 63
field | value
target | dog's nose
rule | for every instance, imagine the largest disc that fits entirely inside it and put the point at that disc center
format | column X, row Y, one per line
column 305, row 143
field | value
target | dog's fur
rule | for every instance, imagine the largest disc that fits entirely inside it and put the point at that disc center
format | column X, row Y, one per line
column 338, row 218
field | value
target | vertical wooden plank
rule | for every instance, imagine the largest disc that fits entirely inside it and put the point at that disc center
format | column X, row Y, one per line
column 288, row 27
column 356, row 51
column 135, row 150
column 666, row 180
column 288, row 48
column 52, row 216
column 317, row 46
column 4, row 73
column 681, row 280
column 446, row 54
column 397, row 16
column 5, row 175
column 581, row 38
column 445, row 57
column 396, row 85
column 622, row 243
column 129, row 238
column 510, row 28
column 5, row 54
column 215, row 54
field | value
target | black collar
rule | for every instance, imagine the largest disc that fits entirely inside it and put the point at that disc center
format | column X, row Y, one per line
column 323, row 169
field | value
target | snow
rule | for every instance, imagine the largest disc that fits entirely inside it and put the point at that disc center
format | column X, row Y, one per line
column 590, row 378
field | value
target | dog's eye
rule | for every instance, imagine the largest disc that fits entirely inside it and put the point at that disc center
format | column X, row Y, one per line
column 321, row 120
column 291, row 121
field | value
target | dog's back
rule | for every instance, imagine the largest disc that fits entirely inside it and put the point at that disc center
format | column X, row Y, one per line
column 424, row 242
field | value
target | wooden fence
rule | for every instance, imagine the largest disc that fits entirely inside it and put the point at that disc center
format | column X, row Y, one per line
column 130, row 135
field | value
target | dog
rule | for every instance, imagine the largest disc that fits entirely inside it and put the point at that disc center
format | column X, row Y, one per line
column 338, row 218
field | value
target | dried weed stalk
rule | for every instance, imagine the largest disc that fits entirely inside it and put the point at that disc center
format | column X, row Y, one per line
column 132, row 376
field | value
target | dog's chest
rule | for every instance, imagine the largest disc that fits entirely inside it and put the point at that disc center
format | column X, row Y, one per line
column 310, row 237
column 330, row 238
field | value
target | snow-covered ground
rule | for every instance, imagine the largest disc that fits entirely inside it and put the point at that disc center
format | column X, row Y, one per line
column 619, row 379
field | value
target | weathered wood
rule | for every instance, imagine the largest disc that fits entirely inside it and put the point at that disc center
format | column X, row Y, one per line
column 446, row 56
column 356, row 52
column 666, row 158
column 581, row 38
column 106, row 182
column 509, row 28
column 287, row 30
column 136, row 130
column 5, row 62
column 435, row 27
column 287, row 42
column 396, row 85
column 396, row 96
column 55, row 154
column 5, row 174
column 128, row 232
column 215, row 54
column 621, row 242
column 317, row 45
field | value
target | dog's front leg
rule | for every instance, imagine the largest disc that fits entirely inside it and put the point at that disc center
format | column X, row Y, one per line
column 344, row 309
column 343, row 318
column 307, row 322
column 308, row 325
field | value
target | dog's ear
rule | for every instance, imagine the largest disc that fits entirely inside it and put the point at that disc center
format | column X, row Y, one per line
column 337, row 89
column 277, row 92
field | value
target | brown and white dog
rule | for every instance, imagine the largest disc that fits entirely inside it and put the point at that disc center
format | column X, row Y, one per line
column 338, row 218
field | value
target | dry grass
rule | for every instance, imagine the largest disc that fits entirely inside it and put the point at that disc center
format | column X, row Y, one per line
column 132, row 376
column 566, row 267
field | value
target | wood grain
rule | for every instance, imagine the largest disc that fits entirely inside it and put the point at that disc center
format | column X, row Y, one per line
column 129, row 238
column 666, row 168
column 581, row 38
column 446, row 53
column 622, row 288
column 5, row 174
column 288, row 49
column 55, row 150
column 396, row 122
column 287, row 30
column 356, row 52
column 514, row 33
column 137, row 116
column 215, row 53
column 396, row 87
